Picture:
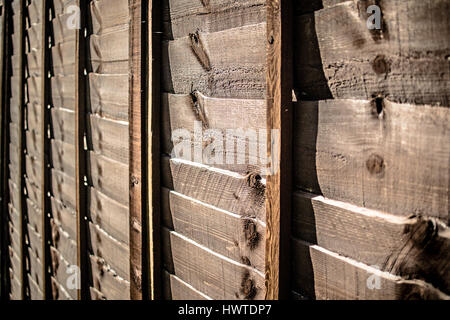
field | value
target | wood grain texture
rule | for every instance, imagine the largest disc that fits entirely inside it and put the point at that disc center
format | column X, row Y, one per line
column 238, row 194
column 393, row 158
column 325, row 275
column 137, row 149
column 110, row 285
column 237, row 72
column 238, row 238
column 234, row 121
column 181, row 17
column 411, row 247
column 210, row 273
column 177, row 289
column 279, row 83
column 405, row 60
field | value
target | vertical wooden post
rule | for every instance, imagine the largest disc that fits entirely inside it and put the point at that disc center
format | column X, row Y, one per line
column 137, row 140
column 3, row 151
column 154, row 153
column 80, row 158
column 45, row 149
column 21, row 150
column 279, row 117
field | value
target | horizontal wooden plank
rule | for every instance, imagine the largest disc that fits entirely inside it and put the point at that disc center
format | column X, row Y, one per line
column 63, row 58
column 63, row 157
column 34, row 269
column 413, row 247
column 58, row 291
column 324, row 275
column 33, row 37
column 65, row 217
column 59, row 268
column 14, row 218
column 111, row 286
column 108, row 138
column 34, row 215
column 238, row 238
column 177, row 289
column 63, row 92
column 376, row 154
column 33, row 117
column 96, row 295
column 61, row 6
column 15, row 238
column 181, row 17
column 109, row 215
column 238, row 194
column 66, row 246
column 109, row 52
column 109, row 95
column 63, row 125
column 15, row 263
column 63, row 188
column 108, row 15
column 14, row 194
column 114, row 253
column 109, row 177
column 61, row 33
column 238, row 127
column 33, row 170
column 35, row 291
column 208, row 272
column 34, row 241
column 32, row 191
column 200, row 62
column 34, row 147
column 406, row 60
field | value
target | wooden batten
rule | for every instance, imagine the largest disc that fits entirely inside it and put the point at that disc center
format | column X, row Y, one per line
column 279, row 83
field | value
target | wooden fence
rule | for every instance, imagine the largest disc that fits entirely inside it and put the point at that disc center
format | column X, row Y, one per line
column 113, row 109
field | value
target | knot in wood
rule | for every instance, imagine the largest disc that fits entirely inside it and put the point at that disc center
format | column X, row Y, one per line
column 375, row 164
column 251, row 234
column 248, row 288
column 380, row 65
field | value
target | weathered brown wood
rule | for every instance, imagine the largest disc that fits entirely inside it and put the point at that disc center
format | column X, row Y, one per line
column 114, row 253
column 81, row 165
column 208, row 272
column 177, row 289
column 108, row 15
column 412, row 247
column 325, row 275
column 406, row 60
column 44, row 146
column 58, row 291
column 63, row 243
column 235, row 237
column 21, row 144
column 279, row 84
column 198, row 61
column 35, row 291
column 376, row 154
column 153, row 149
column 138, row 93
column 242, row 195
column 181, row 17
column 109, row 215
column 236, row 121
column 110, row 285
column 59, row 268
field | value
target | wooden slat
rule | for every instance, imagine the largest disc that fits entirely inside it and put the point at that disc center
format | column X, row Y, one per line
column 111, row 286
column 81, row 87
column 376, row 154
column 210, row 273
column 59, row 269
column 406, row 60
column 181, row 17
column 413, row 247
column 238, row 238
column 138, row 93
column 199, row 61
column 238, row 194
column 109, row 15
column 247, row 117
column 153, row 149
column 177, row 289
column 279, row 83
column 324, row 275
